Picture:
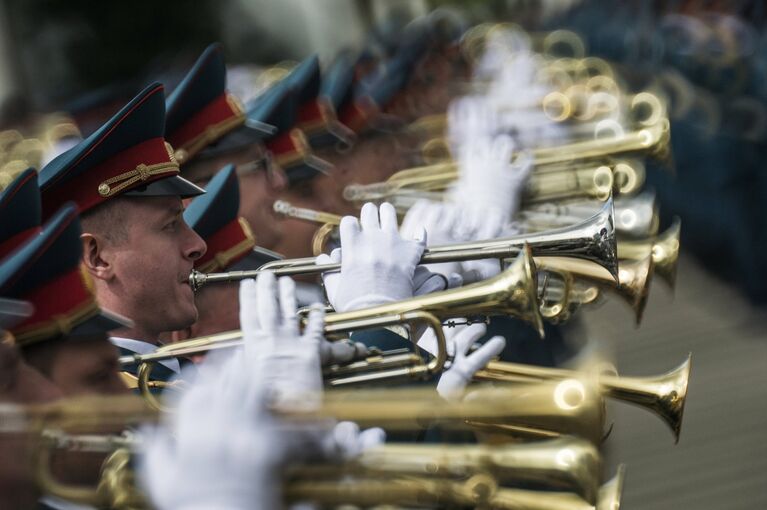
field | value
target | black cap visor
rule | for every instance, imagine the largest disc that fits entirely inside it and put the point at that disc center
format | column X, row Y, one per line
column 174, row 185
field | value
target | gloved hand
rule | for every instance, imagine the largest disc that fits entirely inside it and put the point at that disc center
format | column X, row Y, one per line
column 377, row 263
column 438, row 220
column 225, row 448
column 454, row 380
column 449, row 223
column 468, row 118
column 288, row 361
column 488, row 180
column 478, row 224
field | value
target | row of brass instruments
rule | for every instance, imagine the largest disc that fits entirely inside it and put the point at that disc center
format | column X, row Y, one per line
column 586, row 232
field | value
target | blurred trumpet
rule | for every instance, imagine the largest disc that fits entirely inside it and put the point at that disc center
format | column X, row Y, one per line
column 328, row 223
column 477, row 491
column 584, row 179
column 592, row 240
column 635, row 216
column 418, row 466
column 665, row 395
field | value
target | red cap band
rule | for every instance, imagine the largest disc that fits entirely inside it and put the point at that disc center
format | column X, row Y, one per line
column 17, row 240
column 60, row 304
column 216, row 119
column 228, row 245
column 289, row 148
column 358, row 114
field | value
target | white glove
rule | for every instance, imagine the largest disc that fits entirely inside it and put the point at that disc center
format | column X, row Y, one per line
column 438, row 220
column 478, row 224
column 222, row 448
column 454, row 380
column 447, row 223
column 469, row 117
column 377, row 264
column 288, row 361
column 488, row 180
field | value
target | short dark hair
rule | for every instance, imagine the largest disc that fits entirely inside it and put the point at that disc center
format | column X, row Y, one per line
column 107, row 220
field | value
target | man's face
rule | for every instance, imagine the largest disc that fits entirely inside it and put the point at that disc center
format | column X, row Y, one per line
column 87, row 365
column 151, row 266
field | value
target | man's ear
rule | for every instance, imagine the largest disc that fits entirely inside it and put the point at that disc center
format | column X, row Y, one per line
column 96, row 258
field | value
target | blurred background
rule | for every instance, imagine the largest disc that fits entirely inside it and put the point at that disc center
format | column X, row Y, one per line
column 82, row 60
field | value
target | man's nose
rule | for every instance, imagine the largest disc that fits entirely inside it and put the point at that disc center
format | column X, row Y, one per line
column 195, row 246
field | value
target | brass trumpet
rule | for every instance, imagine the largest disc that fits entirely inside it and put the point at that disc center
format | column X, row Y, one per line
column 635, row 216
column 634, row 278
column 477, row 491
column 665, row 395
column 513, row 292
column 596, row 179
column 564, row 463
column 592, row 240
column 540, row 410
column 650, row 138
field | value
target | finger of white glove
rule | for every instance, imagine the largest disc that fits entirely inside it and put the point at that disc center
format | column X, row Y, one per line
column 466, row 338
column 249, row 307
column 434, row 282
column 454, row 280
column 369, row 220
column 323, row 258
column 502, row 148
column 268, row 309
column 372, row 437
column 349, row 230
column 287, row 289
column 315, row 325
column 523, row 165
column 413, row 219
column 388, row 216
column 479, row 358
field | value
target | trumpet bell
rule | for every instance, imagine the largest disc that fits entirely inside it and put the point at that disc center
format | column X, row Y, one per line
column 664, row 250
column 610, row 493
column 634, row 278
column 665, row 395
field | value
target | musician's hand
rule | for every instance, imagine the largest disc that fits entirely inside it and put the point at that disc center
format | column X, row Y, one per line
column 288, row 360
column 377, row 263
column 454, row 380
